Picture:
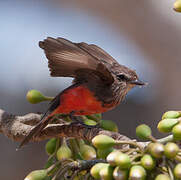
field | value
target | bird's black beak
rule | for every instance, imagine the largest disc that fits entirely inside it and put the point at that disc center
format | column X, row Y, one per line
column 137, row 82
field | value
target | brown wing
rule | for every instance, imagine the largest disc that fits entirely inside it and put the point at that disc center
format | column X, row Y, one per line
column 98, row 52
column 66, row 58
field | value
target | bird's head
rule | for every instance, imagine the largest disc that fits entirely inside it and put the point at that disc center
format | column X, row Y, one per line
column 126, row 78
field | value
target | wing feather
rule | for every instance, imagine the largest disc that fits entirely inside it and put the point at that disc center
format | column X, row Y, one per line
column 65, row 58
column 97, row 52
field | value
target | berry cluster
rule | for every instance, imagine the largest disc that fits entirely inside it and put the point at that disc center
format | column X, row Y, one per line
column 107, row 158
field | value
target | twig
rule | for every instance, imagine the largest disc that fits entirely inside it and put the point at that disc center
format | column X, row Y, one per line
column 17, row 127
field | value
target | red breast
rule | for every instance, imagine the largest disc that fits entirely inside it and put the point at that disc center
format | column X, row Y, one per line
column 82, row 101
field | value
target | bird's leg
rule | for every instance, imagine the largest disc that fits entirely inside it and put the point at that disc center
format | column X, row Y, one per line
column 75, row 118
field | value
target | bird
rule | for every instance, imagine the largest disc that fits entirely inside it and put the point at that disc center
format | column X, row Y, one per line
column 100, row 83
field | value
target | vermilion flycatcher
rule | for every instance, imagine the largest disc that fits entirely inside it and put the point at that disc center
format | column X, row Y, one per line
column 99, row 84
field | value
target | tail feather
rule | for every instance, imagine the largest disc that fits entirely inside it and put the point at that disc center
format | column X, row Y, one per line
column 45, row 120
column 34, row 132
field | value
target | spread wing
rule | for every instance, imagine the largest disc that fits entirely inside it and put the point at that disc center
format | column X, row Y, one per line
column 98, row 52
column 66, row 58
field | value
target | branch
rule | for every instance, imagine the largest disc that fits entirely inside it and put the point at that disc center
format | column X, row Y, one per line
column 17, row 127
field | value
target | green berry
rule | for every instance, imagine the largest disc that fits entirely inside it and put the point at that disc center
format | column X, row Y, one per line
column 64, row 152
column 166, row 125
column 123, row 161
column 90, row 122
column 177, row 171
column 120, row 174
column 33, row 96
column 157, row 150
column 177, row 6
column 162, row 177
column 111, row 158
column 102, row 141
column 171, row 150
column 149, row 146
column 106, row 173
column 87, row 152
column 171, row 115
column 37, row 175
column 137, row 173
column 51, row 146
column 148, row 162
column 96, row 169
column 176, row 131
column 143, row 132
column 108, row 125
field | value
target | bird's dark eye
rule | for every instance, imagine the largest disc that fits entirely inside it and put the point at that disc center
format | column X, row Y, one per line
column 122, row 77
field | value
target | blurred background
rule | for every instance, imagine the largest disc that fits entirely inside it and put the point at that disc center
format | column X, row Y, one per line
column 143, row 35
